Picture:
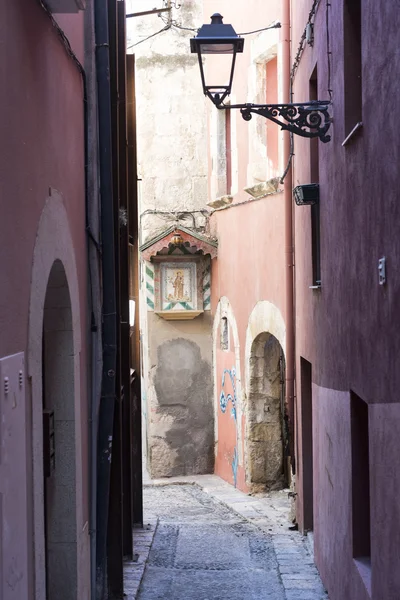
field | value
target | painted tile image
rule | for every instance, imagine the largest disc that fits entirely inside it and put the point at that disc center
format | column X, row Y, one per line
column 178, row 285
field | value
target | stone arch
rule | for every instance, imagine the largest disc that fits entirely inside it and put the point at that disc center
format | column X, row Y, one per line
column 264, row 360
column 54, row 246
column 265, row 415
column 225, row 311
column 58, row 406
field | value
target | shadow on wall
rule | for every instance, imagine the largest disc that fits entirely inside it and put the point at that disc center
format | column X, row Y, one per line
column 183, row 384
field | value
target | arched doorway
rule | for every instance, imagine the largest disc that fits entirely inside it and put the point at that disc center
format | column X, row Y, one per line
column 266, row 414
column 59, row 453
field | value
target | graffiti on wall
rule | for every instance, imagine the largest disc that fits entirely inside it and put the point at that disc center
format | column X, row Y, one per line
column 224, row 400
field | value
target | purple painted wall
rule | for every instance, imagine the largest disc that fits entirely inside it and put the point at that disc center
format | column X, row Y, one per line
column 42, row 147
column 348, row 330
column 44, row 134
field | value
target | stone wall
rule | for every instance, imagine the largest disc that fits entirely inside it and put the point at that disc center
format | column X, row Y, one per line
column 172, row 155
column 181, row 423
column 265, row 444
column 171, row 123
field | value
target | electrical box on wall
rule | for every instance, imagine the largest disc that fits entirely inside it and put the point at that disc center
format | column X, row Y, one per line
column 306, row 195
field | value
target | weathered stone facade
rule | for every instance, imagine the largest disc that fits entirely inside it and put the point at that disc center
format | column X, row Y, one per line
column 265, row 443
column 172, row 155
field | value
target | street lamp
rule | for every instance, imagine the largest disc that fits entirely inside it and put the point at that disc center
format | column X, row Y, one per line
column 222, row 40
column 310, row 119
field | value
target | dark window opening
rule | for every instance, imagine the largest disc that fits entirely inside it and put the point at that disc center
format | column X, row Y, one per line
column 307, row 439
column 361, row 509
column 316, row 244
column 224, row 334
column 352, row 64
column 315, row 209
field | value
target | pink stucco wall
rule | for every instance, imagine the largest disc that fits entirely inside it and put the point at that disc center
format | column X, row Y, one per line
column 250, row 259
column 229, row 444
column 256, row 15
column 250, row 264
column 42, row 149
column 243, row 273
column 227, row 428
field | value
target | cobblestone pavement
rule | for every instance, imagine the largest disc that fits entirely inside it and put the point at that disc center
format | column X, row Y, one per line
column 212, row 542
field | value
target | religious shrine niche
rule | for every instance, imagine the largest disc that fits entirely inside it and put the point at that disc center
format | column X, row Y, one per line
column 177, row 273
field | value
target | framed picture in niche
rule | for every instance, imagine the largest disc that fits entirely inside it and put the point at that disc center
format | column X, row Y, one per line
column 178, row 286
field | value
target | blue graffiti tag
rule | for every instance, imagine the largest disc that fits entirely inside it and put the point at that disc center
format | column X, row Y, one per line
column 224, row 400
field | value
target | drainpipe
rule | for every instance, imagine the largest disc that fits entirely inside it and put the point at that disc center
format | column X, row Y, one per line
column 289, row 248
column 109, row 324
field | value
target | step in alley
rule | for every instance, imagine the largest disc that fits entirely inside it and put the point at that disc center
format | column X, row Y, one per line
column 204, row 540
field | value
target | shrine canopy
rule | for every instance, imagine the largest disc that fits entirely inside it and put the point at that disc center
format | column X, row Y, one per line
column 179, row 240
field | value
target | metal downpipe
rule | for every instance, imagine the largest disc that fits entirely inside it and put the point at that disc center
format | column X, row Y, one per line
column 289, row 247
column 109, row 324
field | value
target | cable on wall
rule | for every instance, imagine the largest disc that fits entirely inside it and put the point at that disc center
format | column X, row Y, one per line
column 62, row 36
column 168, row 26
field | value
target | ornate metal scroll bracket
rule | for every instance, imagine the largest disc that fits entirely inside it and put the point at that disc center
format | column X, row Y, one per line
column 309, row 120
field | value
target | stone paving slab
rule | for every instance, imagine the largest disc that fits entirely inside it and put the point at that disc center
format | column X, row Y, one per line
column 134, row 569
column 214, row 543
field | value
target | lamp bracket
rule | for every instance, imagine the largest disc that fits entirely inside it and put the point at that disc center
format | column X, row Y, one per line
column 309, row 120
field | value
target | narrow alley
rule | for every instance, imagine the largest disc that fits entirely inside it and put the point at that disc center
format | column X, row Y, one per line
column 213, row 542
column 199, row 308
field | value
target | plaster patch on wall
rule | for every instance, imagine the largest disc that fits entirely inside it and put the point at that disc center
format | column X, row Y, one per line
column 183, row 438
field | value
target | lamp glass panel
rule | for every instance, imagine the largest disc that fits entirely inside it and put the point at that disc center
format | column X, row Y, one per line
column 218, row 71
column 217, row 48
